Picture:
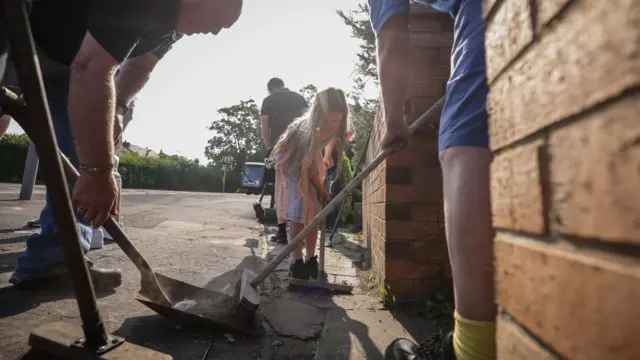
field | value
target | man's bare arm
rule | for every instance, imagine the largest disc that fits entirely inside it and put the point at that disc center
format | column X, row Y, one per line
column 393, row 52
column 133, row 76
column 266, row 134
column 92, row 103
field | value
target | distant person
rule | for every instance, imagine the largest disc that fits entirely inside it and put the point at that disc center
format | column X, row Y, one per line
column 300, row 171
column 278, row 110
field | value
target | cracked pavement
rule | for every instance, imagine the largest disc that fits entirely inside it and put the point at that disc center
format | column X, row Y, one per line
column 206, row 240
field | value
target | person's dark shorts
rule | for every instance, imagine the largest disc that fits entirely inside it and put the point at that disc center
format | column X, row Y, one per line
column 464, row 117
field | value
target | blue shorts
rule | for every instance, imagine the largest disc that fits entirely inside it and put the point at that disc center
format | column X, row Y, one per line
column 464, row 117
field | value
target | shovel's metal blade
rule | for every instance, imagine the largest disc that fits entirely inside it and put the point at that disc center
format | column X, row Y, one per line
column 212, row 312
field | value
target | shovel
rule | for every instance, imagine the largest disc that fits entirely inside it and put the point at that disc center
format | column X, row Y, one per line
column 16, row 107
column 149, row 285
column 208, row 310
column 178, row 301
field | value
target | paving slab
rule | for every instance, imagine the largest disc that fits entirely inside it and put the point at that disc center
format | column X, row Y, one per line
column 292, row 318
column 206, row 240
column 203, row 239
column 361, row 334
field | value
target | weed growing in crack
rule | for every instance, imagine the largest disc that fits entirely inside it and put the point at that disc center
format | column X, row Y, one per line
column 385, row 297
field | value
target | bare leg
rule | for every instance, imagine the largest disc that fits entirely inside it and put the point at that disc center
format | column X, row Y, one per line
column 467, row 207
column 296, row 228
column 312, row 239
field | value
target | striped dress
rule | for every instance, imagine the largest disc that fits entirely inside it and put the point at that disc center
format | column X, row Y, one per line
column 290, row 204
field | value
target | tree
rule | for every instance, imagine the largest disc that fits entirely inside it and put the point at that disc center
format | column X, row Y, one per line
column 237, row 137
column 309, row 92
column 363, row 109
column 366, row 65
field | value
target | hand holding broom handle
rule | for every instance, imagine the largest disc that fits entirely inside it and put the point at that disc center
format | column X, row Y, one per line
column 430, row 116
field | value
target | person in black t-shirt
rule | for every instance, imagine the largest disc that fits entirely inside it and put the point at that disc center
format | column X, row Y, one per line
column 278, row 110
column 85, row 42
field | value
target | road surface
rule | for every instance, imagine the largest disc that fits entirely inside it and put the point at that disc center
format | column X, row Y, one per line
column 200, row 238
column 207, row 240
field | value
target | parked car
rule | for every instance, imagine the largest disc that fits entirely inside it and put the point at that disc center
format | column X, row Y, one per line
column 253, row 178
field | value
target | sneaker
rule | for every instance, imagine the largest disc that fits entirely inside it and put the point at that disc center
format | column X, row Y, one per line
column 97, row 239
column 312, row 267
column 436, row 347
column 279, row 238
column 298, row 270
column 35, row 223
column 103, row 279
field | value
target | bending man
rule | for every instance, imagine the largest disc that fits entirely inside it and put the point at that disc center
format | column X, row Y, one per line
column 100, row 37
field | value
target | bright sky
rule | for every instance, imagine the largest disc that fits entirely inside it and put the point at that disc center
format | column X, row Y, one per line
column 301, row 41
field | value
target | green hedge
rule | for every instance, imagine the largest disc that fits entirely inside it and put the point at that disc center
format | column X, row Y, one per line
column 355, row 195
column 13, row 154
column 163, row 173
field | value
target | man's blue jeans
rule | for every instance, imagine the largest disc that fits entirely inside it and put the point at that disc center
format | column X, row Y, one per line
column 43, row 256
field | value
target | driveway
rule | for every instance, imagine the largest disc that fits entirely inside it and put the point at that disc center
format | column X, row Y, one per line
column 199, row 238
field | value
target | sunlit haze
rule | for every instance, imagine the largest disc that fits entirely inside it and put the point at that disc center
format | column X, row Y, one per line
column 301, row 41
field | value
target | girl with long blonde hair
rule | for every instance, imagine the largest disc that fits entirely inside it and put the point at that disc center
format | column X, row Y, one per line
column 300, row 170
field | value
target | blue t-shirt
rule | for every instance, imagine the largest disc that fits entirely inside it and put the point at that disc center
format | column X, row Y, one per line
column 450, row 6
column 381, row 10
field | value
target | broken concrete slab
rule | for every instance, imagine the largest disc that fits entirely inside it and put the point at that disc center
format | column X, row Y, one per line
column 292, row 318
column 274, row 347
column 360, row 334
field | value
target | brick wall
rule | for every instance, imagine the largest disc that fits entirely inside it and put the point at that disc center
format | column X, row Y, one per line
column 403, row 206
column 372, row 205
column 564, row 109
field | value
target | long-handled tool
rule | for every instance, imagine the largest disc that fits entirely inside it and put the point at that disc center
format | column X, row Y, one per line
column 207, row 310
column 269, row 179
column 149, row 285
column 322, row 281
column 59, row 339
column 257, row 206
column 344, row 202
column 248, row 296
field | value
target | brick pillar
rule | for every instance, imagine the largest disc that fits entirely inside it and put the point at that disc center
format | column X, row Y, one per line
column 564, row 109
column 403, row 206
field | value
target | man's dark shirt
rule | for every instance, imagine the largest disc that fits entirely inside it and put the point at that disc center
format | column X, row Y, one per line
column 124, row 28
column 282, row 107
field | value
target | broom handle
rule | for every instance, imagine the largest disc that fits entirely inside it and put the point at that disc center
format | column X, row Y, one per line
column 430, row 116
column 339, row 216
column 323, row 234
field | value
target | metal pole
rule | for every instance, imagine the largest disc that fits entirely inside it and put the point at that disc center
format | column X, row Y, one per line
column 39, row 127
column 224, row 178
column 30, row 173
column 362, row 154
